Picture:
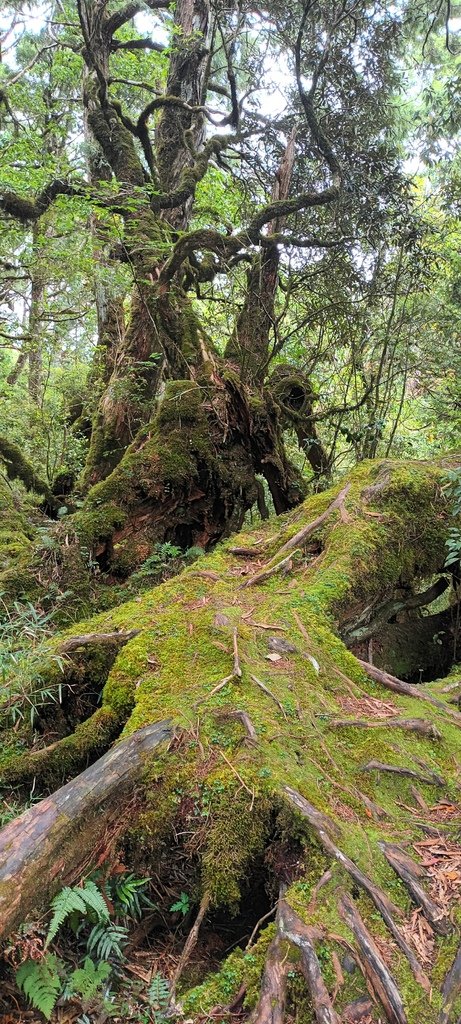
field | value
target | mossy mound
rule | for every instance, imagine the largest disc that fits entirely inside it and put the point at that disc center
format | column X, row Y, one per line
column 264, row 695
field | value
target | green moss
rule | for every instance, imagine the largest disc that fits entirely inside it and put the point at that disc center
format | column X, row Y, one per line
column 236, row 836
column 185, row 649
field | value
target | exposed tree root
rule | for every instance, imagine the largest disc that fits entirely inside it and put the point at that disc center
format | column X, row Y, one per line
column 301, row 536
column 294, row 929
column 410, row 873
column 48, row 842
column 406, row 689
column 322, row 826
column 272, row 999
column 265, row 574
column 418, row 725
column 431, row 779
column 376, row 973
column 451, row 988
column 363, row 629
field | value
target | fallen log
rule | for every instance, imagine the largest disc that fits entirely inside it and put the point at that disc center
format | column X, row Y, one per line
column 51, row 841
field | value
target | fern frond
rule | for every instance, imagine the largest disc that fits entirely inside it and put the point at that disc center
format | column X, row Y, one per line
column 158, row 993
column 86, row 980
column 64, row 903
column 94, row 900
column 40, row 982
column 76, row 901
column 107, row 940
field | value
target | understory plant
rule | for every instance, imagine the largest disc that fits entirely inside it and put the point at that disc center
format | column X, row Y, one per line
column 98, row 915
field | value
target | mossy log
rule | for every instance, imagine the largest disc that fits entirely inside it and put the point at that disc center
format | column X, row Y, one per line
column 261, row 779
column 52, row 840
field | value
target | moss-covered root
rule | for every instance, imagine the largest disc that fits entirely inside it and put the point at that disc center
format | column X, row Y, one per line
column 16, row 537
column 178, row 481
column 77, row 672
column 262, row 787
column 52, row 840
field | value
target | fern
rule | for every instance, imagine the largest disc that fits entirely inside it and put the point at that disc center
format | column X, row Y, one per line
column 76, row 900
column 107, row 940
column 158, row 995
column 40, row 982
column 85, row 981
column 129, row 898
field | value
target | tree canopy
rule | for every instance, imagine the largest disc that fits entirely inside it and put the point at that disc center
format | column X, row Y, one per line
column 230, row 302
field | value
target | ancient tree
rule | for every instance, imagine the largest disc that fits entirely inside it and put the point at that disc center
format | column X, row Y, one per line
column 320, row 173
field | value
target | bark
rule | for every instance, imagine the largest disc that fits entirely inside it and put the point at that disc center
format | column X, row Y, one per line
column 189, row 477
column 54, row 839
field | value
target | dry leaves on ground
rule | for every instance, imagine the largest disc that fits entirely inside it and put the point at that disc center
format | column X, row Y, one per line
column 367, row 707
column 442, row 860
column 419, row 934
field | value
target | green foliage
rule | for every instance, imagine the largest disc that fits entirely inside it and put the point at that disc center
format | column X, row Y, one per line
column 23, row 652
column 106, row 940
column 87, row 980
column 41, row 982
column 158, row 995
column 84, row 901
column 182, row 905
column 453, row 542
column 128, row 896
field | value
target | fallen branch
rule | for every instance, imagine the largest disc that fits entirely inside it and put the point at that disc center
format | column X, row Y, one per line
column 73, row 643
column 189, row 946
column 379, row 766
column 245, row 719
column 267, row 573
column 322, row 827
column 410, row 872
column 265, row 689
column 377, row 974
column 54, row 837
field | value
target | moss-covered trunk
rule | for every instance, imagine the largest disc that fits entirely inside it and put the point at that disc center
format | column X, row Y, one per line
column 295, row 768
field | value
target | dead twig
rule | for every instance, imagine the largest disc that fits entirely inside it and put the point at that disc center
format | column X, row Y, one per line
column 269, row 693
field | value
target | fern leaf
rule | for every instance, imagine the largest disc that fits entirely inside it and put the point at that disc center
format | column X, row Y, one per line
column 65, row 903
column 86, row 980
column 94, row 900
column 158, row 993
column 40, row 982
column 107, row 940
